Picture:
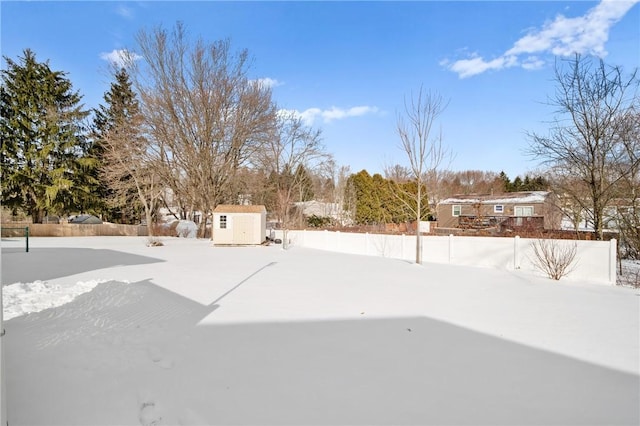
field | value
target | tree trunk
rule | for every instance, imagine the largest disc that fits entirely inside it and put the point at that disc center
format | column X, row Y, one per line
column 148, row 217
column 202, row 226
column 418, row 242
column 597, row 227
column 37, row 215
column 598, row 214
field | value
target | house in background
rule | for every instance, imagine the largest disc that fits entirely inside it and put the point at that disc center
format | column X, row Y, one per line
column 333, row 211
column 239, row 225
column 86, row 219
column 531, row 210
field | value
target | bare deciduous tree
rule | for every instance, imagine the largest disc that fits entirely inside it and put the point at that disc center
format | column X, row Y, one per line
column 567, row 204
column 398, row 173
column 424, row 151
column 293, row 149
column 585, row 141
column 340, row 195
column 204, row 114
column 128, row 168
column 628, row 205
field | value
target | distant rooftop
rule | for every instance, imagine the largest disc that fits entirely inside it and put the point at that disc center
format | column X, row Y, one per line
column 506, row 198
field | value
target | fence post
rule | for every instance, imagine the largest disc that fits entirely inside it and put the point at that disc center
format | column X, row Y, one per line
column 26, row 235
column 516, row 252
column 3, row 388
column 366, row 243
column 613, row 246
column 450, row 247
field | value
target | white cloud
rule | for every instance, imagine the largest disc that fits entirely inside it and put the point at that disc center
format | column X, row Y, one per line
column 338, row 113
column 563, row 36
column 477, row 65
column 120, row 57
column 124, row 11
column 310, row 115
column 268, row 82
column 532, row 63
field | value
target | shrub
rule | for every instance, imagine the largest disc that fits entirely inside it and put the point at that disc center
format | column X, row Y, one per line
column 315, row 221
column 154, row 242
column 554, row 258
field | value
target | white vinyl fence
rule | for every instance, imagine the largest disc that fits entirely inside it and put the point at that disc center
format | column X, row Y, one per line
column 595, row 260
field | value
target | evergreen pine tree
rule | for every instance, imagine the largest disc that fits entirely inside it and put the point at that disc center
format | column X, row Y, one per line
column 121, row 108
column 361, row 185
column 540, row 184
column 129, row 165
column 517, row 185
column 410, row 191
column 304, row 184
column 384, row 201
column 44, row 148
column 379, row 200
column 507, row 185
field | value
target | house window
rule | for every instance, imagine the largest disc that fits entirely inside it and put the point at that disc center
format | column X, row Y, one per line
column 223, row 221
column 523, row 210
column 456, row 210
column 498, row 208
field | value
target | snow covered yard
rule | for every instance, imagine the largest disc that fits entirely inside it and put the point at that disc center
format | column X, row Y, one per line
column 187, row 333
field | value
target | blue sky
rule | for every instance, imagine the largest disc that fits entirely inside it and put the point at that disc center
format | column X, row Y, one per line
column 348, row 66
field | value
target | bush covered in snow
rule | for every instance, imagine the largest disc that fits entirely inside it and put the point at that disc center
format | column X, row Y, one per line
column 186, row 229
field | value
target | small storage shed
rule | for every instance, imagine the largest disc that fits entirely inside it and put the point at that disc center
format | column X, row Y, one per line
column 239, row 225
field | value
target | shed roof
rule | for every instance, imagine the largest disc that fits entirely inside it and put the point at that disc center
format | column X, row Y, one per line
column 232, row 208
column 507, row 198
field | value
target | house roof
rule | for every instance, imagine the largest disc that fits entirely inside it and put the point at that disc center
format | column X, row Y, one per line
column 507, row 198
column 86, row 219
column 232, row 208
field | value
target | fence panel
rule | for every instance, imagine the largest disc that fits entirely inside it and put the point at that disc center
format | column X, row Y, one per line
column 592, row 262
column 81, row 230
column 436, row 249
column 492, row 252
column 595, row 260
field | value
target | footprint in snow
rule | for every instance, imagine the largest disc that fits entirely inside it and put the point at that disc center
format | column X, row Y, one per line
column 148, row 413
column 159, row 358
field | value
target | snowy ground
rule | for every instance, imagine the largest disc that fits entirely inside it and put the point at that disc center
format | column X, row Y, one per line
column 124, row 334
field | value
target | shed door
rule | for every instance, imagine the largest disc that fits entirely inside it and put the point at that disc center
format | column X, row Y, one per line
column 243, row 230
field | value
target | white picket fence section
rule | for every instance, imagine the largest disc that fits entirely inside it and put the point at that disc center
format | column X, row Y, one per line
column 595, row 260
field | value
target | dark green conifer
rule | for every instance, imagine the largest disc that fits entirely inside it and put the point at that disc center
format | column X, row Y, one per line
column 44, row 145
column 121, row 106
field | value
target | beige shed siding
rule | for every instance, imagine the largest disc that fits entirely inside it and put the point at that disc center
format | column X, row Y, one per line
column 245, row 225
